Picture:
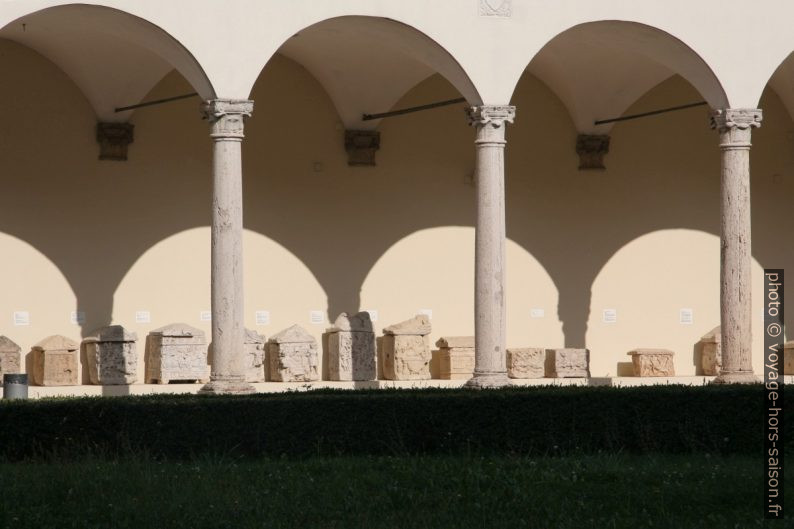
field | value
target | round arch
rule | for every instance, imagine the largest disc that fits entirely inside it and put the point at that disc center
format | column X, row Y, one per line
column 115, row 57
column 397, row 57
column 599, row 68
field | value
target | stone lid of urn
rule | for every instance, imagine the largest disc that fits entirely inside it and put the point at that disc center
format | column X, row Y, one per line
column 450, row 342
column 294, row 334
column 418, row 325
column 360, row 322
column 112, row 333
column 56, row 343
column 8, row 346
column 713, row 336
column 178, row 329
column 253, row 337
column 649, row 351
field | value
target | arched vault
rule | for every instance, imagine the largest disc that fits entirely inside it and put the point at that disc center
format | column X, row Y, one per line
column 599, row 69
column 115, row 58
column 366, row 64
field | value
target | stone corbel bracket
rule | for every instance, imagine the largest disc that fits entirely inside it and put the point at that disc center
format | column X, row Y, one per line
column 591, row 149
column 113, row 139
column 361, row 146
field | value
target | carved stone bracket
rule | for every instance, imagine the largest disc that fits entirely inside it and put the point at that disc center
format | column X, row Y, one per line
column 113, row 140
column 591, row 149
column 361, row 146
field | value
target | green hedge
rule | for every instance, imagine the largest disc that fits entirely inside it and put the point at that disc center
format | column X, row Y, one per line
column 529, row 421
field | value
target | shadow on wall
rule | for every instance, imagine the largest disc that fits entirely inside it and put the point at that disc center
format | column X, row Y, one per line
column 94, row 219
column 656, row 178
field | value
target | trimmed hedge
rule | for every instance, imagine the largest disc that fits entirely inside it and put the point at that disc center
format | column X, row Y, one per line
column 525, row 421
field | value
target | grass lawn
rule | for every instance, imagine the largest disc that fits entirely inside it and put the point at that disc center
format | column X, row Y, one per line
column 604, row 491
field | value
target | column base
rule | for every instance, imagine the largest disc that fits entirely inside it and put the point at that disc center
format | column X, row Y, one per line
column 227, row 387
column 737, row 377
column 487, row 381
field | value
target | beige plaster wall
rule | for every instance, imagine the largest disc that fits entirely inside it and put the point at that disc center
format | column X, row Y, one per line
column 110, row 239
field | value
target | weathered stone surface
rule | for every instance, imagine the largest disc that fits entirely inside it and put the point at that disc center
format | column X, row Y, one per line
column 788, row 358
column 112, row 356
column 455, row 357
column 55, row 362
column 652, row 362
column 711, row 356
column 176, row 352
column 526, row 362
column 406, row 357
column 10, row 357
column 567, row 362
column 418, row 325
column 292, row 356
column 254, row 349
column 351, row 348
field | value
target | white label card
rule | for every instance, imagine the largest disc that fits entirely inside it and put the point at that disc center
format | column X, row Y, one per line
column 77, row 317
column 537, row 313
column 317, row 317
column 373, row 314
column 610, row 316
column 686, row 317
column 262, row 317
column 143, row 316
column 426, row 312
column 205, row 315
column 21, row 318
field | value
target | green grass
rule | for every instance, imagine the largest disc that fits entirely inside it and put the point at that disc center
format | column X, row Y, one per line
column 576, row 491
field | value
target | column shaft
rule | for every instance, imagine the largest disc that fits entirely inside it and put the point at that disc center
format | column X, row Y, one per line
column 734, row 127
column 489, row 269
column 226, row 119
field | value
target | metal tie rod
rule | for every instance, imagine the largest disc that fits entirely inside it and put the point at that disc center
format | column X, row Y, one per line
column 156, row 102
column 651, row 113
column 368, row 117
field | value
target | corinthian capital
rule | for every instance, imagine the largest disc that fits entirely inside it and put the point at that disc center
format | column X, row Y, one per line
column 725, row 119
column 226, row 116
column 495, row 116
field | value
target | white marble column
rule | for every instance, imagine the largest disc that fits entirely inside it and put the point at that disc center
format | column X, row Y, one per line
column 226, row 121
column 490, row 369
column 734, row 126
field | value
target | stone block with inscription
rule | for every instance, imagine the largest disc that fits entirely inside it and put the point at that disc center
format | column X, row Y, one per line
column 652, row 362
column 55, row 362
column 176, row 352
column 406, row 350
column 711, row 355
column 351, row 348
column 526, row 362
column 10, row 357
column 112, row 356
column 455, row 357
column 254, row 350
column 567, row 362
column 292, row 356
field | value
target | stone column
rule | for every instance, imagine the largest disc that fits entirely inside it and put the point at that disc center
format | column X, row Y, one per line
column 734, row 126
column 228, row 365
column 490, row 369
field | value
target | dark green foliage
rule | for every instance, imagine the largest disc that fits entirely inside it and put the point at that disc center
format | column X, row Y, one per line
column 577, row 492
column 519, row 421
